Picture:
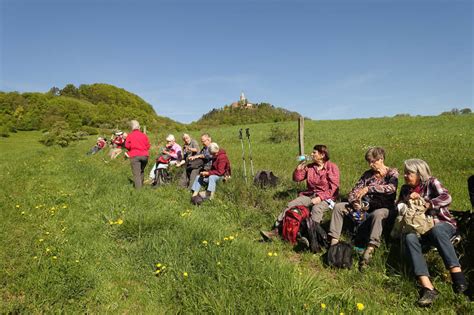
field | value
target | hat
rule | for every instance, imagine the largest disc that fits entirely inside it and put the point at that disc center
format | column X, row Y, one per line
column 119, row 133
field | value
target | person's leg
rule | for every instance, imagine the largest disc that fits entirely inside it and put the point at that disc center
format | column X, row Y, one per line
column 317, row 211
column 192, row 176
column 300, row 201
column 136, row 170
column 377, row 216
column 337, row 221
column 212, row 184
column 196, row 185
column 152, row 172
column 143, row 163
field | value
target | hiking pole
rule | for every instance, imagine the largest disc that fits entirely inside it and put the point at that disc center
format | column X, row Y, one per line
column 250, row 150
column 243, row 154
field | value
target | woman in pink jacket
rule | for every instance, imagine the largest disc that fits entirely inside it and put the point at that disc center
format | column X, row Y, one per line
column 137, row 144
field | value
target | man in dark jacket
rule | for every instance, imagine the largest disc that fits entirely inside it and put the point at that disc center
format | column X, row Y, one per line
column 220, row 168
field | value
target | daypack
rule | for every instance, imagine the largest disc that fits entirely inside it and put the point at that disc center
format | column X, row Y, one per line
column 265, row 179
column 292, row 222
column 317, row 236
column 340, row 255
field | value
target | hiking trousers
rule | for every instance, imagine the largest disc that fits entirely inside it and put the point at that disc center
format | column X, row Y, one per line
column 138, row 164
column 210, row 181
column 374, row 219
column 317, row 211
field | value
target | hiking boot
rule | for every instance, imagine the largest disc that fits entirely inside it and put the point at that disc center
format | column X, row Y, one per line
column 366, row 258
column 303, row 241
column 268, row 236
column 459, row 288
column 427, row 297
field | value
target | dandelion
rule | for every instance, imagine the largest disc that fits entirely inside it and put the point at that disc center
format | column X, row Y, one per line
column 323, row 306
column 157, row 271
column 47, row 233
column 55, row 257
column 275, row 254
column 158, row 265
column 77, row 261
column 35, row 257
column 111, row 222
column 218, row 243
column 23, row 213
column 41, row 240
column 64, row 206
column 185, row 274
column 231, row 237
column 226, row 238
column 48, row 250
column 37, row 207
column 270, row 254
column 204, row 242
column 360, row 306
column 119, row 221
column 18, row 206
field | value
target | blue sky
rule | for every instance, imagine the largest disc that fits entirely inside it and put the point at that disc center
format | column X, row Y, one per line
column 337, row 59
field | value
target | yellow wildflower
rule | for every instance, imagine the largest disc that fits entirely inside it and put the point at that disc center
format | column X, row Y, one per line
column 119, row 221
column 158, row 265
column 185, row 274
column 48, row 250
column 23, row 213
column 64, row 206
column 231, row 237
column 360, row 306
column 270, row 254
column 55, row 257
column 226, row 238
column 323, row 306
column 40, row 240
column 111, row 222
column 35, row 257
column 218, row 243
column 204, row 242
column 275, row 254
column 47, row 233
column 77, row 260
column 18, row 206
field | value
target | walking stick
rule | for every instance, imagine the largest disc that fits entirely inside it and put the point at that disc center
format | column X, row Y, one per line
column 243, row 154
column 250, row 151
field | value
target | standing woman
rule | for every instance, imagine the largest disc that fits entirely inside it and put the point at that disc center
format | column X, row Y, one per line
column 420, row 184
column 137, row 144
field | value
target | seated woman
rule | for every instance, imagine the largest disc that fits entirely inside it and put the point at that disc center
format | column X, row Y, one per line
column 100, row 144
column 420, row 183
column 378, row 187
column 171, row 154
column 322, row 181
column 220, row 169
column 118, row 142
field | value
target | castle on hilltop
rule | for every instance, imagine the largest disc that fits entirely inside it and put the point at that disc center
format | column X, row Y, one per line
column 242, row 103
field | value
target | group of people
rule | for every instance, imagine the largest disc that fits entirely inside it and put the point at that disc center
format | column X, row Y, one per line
column 374, row 197
column 117, row 143
column 202, row 167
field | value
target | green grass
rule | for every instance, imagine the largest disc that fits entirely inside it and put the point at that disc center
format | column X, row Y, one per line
column 59, row 203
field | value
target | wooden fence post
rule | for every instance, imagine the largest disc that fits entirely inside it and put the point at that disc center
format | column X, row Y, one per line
column 301, row 135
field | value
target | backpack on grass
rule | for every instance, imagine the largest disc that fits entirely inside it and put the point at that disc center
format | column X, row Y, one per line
column 340, row 255
column 316, row 235
column 292, row 222
column 265, row 179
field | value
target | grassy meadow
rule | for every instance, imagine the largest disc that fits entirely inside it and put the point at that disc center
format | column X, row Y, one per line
column 77, row 238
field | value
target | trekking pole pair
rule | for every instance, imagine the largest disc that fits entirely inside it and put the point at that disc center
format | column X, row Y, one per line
column 247, row 133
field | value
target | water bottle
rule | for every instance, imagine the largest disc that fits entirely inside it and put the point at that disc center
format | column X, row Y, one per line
column 304, row 158
column 331, row 203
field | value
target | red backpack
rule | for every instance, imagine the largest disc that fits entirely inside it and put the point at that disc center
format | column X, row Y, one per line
column 292, row 222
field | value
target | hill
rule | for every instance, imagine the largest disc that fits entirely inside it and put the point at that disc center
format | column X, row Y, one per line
column 89, row 106
column 76, row 237
column 258, row 113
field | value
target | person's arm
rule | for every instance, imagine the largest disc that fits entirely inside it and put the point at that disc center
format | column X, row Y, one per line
column 390, row 187
column 219, row 166
column 300, row 172
column 443, row 199
column 352, row 198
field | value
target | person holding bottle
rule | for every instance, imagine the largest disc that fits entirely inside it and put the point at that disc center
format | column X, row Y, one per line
column 322, row 181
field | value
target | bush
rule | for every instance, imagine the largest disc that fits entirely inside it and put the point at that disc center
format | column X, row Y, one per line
column 278, row 135
column 61, row 135
column 89, row 130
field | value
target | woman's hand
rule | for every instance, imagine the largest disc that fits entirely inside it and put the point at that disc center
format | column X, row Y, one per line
column 415, row 195
column 361, row 192
column 315, row 200
column 204, row 173
column 302, row 166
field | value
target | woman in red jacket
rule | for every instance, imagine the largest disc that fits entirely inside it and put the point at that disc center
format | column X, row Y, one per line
column 137, row 144
column 220, row 168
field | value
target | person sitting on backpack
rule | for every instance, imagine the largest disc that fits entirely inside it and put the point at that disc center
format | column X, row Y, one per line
column 118, row 143
column 100, row 144
column 322, row 181
column 378, row 187
column 197, row 163
column 420, row 184
column 170, row 154
column 220, row 169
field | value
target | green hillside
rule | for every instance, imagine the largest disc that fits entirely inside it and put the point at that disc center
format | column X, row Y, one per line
column 77, row 238
column 86, row 107
column 258, row 113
